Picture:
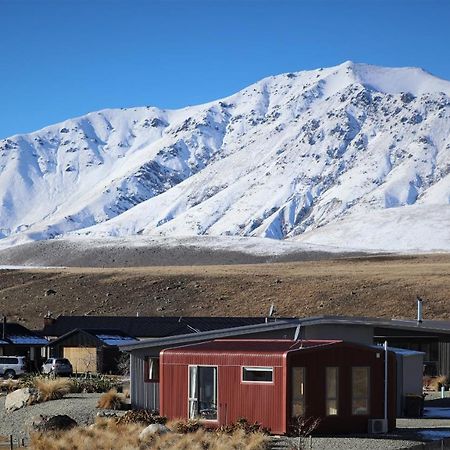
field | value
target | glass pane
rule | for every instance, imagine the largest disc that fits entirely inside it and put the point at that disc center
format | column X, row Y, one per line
column 332, row 380
column 207, row 392
column 298, row 409
column 258, row 374
column 332, row 408
column 360, row 390
column 298, row 391
column 153, row 369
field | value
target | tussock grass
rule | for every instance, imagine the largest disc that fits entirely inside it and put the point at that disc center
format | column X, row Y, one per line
column 435, row 383
column 111, row 400
column 109, row 435
column 52, row 388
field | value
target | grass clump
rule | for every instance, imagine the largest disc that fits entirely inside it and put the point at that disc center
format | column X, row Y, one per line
column 52, row 388
column 111, row 400
column 110, row 435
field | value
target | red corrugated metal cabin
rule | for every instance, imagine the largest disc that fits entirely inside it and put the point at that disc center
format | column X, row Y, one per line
column 273, row 381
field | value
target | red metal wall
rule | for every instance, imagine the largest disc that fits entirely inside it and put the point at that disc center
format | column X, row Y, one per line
column 261, row 402
column 345, row 356
column 269, row 404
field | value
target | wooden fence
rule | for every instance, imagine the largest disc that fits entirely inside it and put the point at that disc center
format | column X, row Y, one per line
column 11, row 442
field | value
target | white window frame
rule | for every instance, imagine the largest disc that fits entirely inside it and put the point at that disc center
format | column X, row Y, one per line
column 196, row 398
column 258, row 369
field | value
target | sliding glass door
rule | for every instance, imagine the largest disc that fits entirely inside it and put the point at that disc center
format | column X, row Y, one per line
column 203, row 392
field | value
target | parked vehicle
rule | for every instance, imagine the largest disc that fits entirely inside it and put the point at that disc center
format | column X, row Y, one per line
column 57, row 366
column 12, row 366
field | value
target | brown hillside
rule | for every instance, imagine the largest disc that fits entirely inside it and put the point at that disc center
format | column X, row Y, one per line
column 374, row 286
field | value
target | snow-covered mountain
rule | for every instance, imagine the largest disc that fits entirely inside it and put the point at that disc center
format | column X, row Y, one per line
column 332, row 156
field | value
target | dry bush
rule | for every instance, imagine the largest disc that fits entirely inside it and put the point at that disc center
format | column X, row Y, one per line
column 9, row 386
column 108, row 435
column 435, row 383
column 105, row 435
column 141, row 416
column 52, row 388
column 111, row 400
column 184, row 426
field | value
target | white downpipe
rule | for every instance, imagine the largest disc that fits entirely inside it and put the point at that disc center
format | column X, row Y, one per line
column 385, row 380
column 419, row 310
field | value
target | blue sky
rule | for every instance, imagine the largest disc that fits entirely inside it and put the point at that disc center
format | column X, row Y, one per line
column 62, row 58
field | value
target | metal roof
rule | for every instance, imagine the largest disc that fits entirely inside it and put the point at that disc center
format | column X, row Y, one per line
column 272, row 346
column 15, row 334
column 379, row 325
column 113, row 338
column 211, row 335
column 145, row 326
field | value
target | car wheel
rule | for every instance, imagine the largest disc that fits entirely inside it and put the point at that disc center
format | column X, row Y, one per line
column 9, row 374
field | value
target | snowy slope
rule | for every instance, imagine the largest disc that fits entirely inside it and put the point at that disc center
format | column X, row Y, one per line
column 291, row 156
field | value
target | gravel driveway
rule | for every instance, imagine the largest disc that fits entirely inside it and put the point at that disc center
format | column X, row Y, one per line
column 81, row 407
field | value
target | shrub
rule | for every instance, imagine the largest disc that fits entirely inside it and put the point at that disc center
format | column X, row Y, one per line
column 109, row 435
column 111, row 400
column 141, row 416
column 185, row 426
column 52, row 389
column 245, row 426
column 97, row 384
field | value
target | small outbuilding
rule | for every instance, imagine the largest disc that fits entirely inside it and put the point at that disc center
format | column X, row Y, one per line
column 93, row 351
column 276, row 381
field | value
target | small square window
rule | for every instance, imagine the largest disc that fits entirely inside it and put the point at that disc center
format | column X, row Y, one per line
column 151, row 370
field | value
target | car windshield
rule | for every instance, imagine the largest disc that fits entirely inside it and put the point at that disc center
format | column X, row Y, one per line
column 62, row 361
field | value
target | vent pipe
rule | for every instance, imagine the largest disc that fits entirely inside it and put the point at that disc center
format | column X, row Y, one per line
column 419, row 310
column 4, row 328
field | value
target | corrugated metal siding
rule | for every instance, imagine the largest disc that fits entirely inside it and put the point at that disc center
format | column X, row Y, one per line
column 444, row 358
column 256, row 401
column 143, row 395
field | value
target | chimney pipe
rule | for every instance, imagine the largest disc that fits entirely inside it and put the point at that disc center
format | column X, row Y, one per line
column 4, row 328
column 419, row 310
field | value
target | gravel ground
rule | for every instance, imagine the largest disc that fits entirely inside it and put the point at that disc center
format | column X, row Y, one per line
column 346, row 443
column 81, row 407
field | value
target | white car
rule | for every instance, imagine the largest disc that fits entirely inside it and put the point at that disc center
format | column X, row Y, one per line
column 12, row 366
column 57, row 366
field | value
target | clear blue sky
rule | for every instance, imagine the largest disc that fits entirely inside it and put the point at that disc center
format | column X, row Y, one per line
column 61, row 58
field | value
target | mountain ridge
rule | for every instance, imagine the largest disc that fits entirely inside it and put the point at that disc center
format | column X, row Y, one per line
column 283, row 158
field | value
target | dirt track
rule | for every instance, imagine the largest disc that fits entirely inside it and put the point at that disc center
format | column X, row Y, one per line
column 373, row 286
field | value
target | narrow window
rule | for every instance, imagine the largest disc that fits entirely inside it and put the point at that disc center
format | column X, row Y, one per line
column 298, row 391
column 202, row 392
column 152, row 370
column 360, row 390
column 257, row 374
column 332, row 383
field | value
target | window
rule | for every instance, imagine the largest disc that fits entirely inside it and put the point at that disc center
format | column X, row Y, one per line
column 332, row 387
column 257, row 374
column 152, row 370
column 202, row 392
column 360, row 390
column 298, row 391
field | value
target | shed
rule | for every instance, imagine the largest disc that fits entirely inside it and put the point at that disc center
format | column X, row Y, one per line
column 275, row 381
column 409, row 376
column 91, row 350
